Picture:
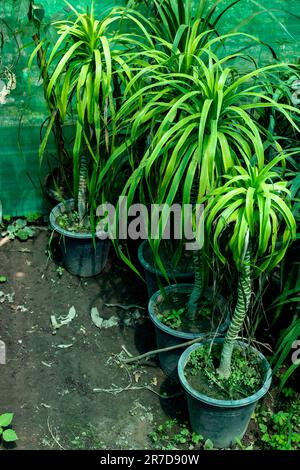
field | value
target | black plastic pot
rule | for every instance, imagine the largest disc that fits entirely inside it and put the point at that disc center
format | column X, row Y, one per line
column 81, row 255
column 166, row 336
column 154, row 278
column 221, row 421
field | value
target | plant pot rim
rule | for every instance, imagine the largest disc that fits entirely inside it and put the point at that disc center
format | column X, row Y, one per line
column 62, row 208
column 179, row 334
column 224, row 403
column 149, row 267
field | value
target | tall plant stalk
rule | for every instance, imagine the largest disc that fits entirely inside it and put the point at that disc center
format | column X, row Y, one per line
column 196, row 294
column 240, row 312
column 82, row 190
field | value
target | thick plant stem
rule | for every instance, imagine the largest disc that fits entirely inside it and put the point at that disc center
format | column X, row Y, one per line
column 198, row 285
column 82, row 205
column 240, row 312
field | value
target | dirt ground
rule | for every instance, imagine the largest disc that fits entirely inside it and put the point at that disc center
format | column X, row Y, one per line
column 49, row 379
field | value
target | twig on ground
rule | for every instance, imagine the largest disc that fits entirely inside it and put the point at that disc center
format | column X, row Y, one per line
column 4, row 241
column 116, row 391
column 52, row 435
column 126, row 351
column 158, row 351
column 125, row 307
column 20, row 250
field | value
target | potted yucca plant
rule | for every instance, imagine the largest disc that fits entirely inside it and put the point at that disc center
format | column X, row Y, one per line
column 201, row 125
column 83, row 74
column 249, row 221
column 182, row 32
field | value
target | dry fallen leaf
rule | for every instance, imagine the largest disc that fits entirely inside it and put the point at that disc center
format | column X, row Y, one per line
column 137, row 375
column 154, row 381
column 61, row 321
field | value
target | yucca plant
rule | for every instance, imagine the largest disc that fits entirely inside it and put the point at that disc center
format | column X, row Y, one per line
column 180, row 28
column 201, row 124
column 250, row 217
column 83, row 73
column 198, row 126
column 180, row 22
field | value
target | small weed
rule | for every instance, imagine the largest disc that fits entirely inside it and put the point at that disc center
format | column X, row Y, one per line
column 179, row 318
column 288, row 392
column 18, row 229
column 280, row 430
column 70, row 221
column 59, row 271
column 86, row 438
column 173, row 318
column 174, row 436
column 7, row 435
column 242, row 446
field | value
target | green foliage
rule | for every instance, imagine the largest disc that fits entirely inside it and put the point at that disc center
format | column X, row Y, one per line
column 245, row 379
column 208, row 445
column 172, row 435
column 18, row 229
column 3, row 279
column 71, row 222
column 254, row 200
column 200, row 124
column 198, row 115
column 242, row 446
column 60, row 271
column 7, row 435
column 280, row 430
column 173, row 317
column 249, row 216
column 288, row 392
column 180, row 22
column 82, row 75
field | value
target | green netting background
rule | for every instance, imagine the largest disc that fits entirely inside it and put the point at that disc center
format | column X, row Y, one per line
column 273, row 21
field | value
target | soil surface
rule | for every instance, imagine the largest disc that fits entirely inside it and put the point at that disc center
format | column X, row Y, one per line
column 49, row 380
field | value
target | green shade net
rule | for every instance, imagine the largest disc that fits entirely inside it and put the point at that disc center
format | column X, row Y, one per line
column 23, row 111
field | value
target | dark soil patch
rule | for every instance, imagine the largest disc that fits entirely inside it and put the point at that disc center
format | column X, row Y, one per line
column 50, row 388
